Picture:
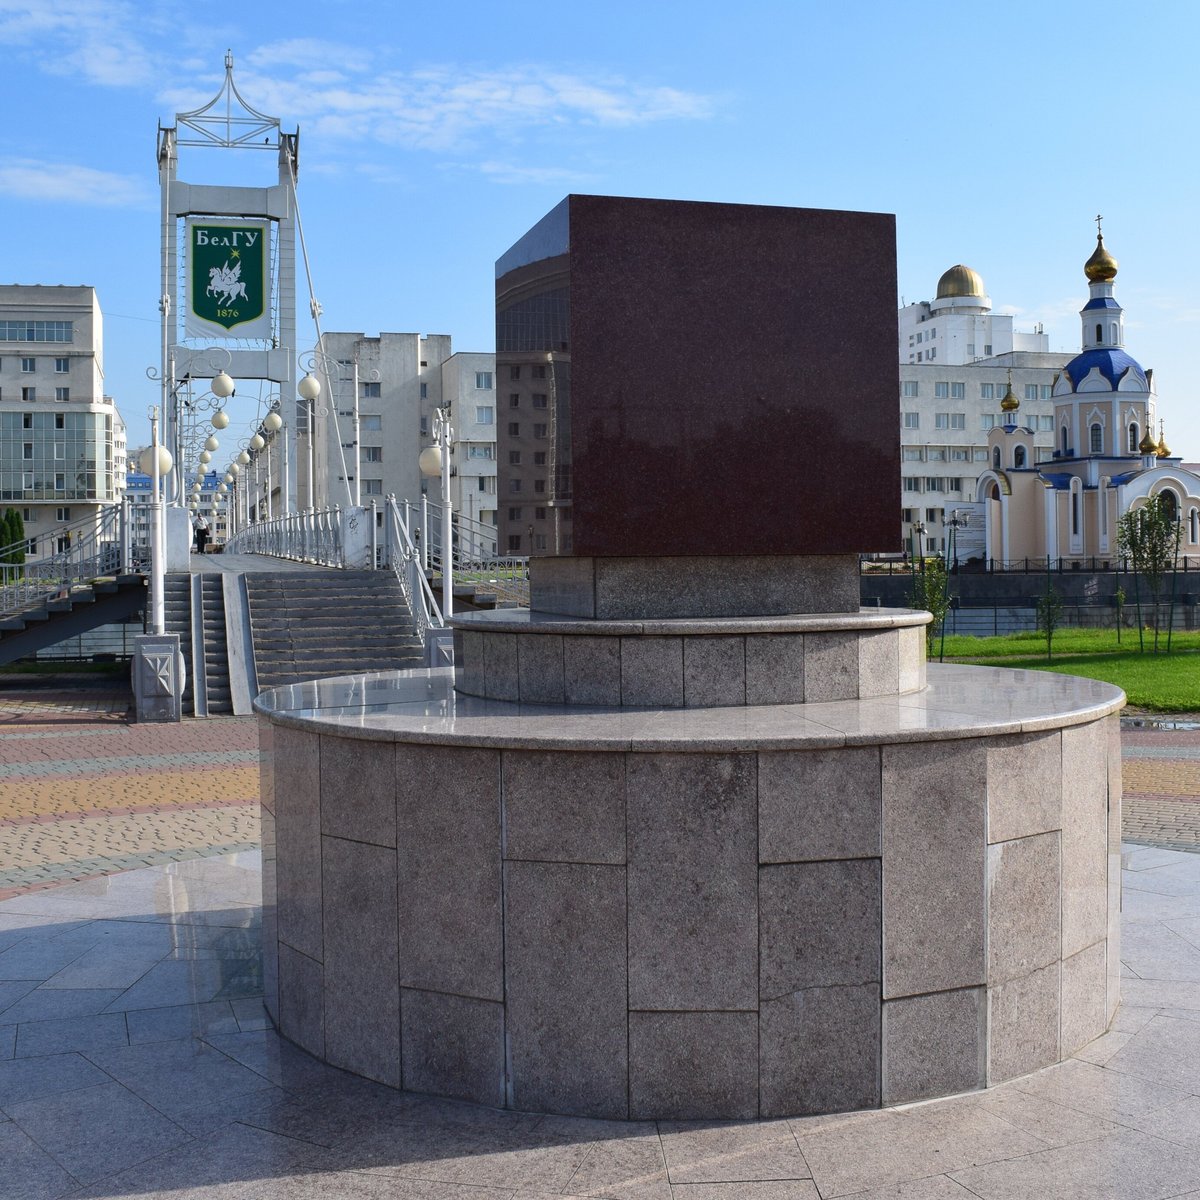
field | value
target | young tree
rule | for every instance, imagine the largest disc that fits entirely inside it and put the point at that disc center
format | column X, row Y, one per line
column 1149, row 538
column 1119, row 601
column 930, row 593
column 1049, row 615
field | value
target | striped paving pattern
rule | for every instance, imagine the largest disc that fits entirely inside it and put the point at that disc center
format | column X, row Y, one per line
column 1161, row 776
column 83, row 798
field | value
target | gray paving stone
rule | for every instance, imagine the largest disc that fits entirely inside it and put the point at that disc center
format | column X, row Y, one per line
column 564, row 807
column 819, row 804
column 358, row 790
column 38, row 1038
column 361, row 979
column 565, row 945
column 50, row 1004
column 180, row 1021
column 693, row 903
column 28, row 1078
column 29, row 1172
column 448, row 815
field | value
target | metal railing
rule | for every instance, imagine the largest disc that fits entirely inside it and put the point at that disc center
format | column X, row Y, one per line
column 95, row 547
column 1019, row 566
column 312, row 537
column 403, row 555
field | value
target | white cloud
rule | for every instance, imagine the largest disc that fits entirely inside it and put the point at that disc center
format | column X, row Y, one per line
column 506, row 172
column 70, row 183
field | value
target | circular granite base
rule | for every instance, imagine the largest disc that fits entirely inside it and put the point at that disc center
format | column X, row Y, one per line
column 692, row 913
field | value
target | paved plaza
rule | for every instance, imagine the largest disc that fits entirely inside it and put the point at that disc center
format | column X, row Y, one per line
column 136, row 1058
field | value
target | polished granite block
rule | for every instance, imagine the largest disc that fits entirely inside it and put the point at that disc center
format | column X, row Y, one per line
column 693, row 863
column 1084, row 997
column 302, row 1000
column 1024, row 782
column 564, row 807
column 820, row 1051
column 540, row 669
column 1023, row 906
column 1084, row 836
column 910, row 667
column 714, row 671
column 934, row 1045
column 1113, row 725
column 501, row 667
column 819, row 804
column 934, row 870
column 1024, row 1015
column 652, row 672
column 693, row 1065
column 775, row 668
column 358, row 790
column 592, row 670
column 362, row 989
column 270, row 920
column 1114, row 937
column 298, row 839
column 819, row 926
column 831, row 666
column 453, row 1046
column 566, row 987
column 879, row 663
column 468, row 662
column 449, row 870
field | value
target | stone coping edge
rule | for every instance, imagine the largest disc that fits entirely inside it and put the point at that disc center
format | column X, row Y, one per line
column 524, row 620
column 942, row 712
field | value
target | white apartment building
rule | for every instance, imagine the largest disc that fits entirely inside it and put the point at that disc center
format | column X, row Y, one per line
column 59, row 432
column 957, row 361
column 400, row 380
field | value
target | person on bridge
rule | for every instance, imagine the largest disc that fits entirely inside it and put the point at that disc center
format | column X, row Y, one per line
column 201, row 527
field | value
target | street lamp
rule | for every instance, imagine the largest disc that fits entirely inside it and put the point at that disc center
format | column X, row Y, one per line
column 156, row 462
column 434, row 461
column 918, row 544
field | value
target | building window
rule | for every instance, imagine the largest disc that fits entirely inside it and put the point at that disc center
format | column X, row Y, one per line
column 912, row 420
column 539, row 514
column 477, row 451
column 514, row 400
column 539, row 485
column 369, row 391
column 1045, row 424
column 514, row 543
column 35, row 331
column 1064, row 439
column 986, row 391
column 920, row 356
column 987, row 421
column 996, row 457
column 424, row 391
column 932, row 514
column 1096, row 438
column 539, row 458
column 941, row 391
column 950, row 421
column 911, row 483
column 28, row 365
column 537, row 371
column 514, row 458
column 1046, row 391
column 62, row 366
column 515, row 514
column 514, row 429
column 373, row 454
column 483, row 380
column 539, row 541
column 1031, row 391
column 913, row 453
column 60, row 482
column 27, row 480
column 27, row 450
column 372, row 487
column 27, row 420
column 62, row 394
column 979, row 454
column 932, row 353
column 514, row 371
column 936, row 454
column 371, row 423
column 906, row 516
column 957, row 455
column 954, row 483
column 1134, row 438
column 29, row 395
column 540, row 400
column 1019, row 457
column 987, row 349
column 958, row 391
column 910, row 388
column 485, row 414
column 971, row 349
column 28, row 515
column 514, row 485
column 539, row 431
column 60, row 451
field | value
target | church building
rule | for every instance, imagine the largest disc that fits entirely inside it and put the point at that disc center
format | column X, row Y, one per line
column 1106, row 458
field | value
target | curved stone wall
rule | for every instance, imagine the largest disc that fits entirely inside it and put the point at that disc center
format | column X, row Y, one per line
column 706, row 913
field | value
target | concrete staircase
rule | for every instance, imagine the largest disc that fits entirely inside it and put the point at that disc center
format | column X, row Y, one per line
column 85, row 606
column 216, row 651
column 177, row 618
column 317, row 624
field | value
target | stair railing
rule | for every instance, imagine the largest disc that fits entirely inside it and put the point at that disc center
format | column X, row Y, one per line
column 92, row 548
column 473, row 550
column 404, row 557
column 312, row 537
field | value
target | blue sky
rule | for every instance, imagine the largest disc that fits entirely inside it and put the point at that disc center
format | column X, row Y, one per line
column 432, row 136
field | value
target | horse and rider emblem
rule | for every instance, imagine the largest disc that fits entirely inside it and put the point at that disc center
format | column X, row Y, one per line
column 227, row 276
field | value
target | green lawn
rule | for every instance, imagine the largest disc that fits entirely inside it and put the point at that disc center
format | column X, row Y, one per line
column 1163, row 682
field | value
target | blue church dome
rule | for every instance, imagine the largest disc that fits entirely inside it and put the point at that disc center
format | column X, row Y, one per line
column 1113, row 365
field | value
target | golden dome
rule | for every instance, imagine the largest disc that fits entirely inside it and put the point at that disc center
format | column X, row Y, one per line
column 1162, row 450
column 1148, row 445
column 1010, row 403
column 960, row 281
column 1101, row 267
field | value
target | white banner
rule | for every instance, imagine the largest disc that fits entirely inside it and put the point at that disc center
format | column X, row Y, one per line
column 228, row 279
